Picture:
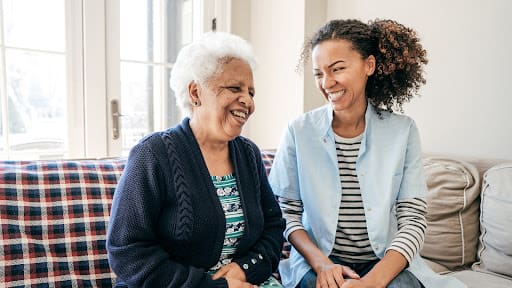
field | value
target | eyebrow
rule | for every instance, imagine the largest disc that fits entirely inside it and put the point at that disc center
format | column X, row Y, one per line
column 334, row 63
column 330, row 65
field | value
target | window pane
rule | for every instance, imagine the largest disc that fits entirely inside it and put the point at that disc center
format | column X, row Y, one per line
column 141, row 30
column 137, row 105
column 149, row 44
column 36, row 102
column 157, row 34
column 34, row 24
column 173, row 111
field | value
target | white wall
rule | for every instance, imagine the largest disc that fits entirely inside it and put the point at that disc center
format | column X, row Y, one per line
column 279, row 90
column 465, row 106
column 276, row 29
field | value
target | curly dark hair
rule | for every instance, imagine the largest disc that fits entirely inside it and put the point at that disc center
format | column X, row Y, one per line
column 400, row 57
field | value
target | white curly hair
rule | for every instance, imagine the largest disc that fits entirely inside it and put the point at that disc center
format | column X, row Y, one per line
column 200, row 60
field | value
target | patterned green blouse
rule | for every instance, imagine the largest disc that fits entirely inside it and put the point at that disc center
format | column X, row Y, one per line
column 230, row 200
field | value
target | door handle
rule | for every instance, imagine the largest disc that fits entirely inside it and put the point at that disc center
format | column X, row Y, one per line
column 114, row 111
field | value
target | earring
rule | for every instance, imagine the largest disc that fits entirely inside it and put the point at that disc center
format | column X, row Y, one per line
column 196, row 103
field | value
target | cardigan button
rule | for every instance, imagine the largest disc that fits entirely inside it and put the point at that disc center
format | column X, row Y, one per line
column 253, row 261
column 245, row 266
column 260, row 256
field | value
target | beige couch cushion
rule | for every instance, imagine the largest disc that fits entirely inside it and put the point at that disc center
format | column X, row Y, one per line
column 495, row 249
column 451, row 237
column 475, row 279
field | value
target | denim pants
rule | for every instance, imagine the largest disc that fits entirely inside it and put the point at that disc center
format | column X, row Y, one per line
column 403, row 280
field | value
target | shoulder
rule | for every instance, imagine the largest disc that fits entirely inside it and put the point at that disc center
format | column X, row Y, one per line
column 317, row 118
column 160, row 142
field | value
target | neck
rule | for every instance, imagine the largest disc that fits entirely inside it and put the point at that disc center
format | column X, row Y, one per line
column 215, row 152
column 206, row 140
column 349, row 123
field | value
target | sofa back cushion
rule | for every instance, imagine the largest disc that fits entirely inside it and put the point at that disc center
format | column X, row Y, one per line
column 451, row 237
column 495, row 247
column 54, row 217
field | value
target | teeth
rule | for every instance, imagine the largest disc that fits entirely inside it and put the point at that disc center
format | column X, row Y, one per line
column 239, row 114
column 336, row 94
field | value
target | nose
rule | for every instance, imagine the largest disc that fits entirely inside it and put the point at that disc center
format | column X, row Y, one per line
column 328, row 82
column 245, row 98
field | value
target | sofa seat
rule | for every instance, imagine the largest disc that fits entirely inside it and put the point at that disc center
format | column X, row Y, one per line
column 54, row 218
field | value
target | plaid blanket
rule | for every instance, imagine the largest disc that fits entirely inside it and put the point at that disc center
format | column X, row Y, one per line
column 54, row 217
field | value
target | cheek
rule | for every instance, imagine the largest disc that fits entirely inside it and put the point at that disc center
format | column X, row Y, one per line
column 253, row 106
column 318, row 83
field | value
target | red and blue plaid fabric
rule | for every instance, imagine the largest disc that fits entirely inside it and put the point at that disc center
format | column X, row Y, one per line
column 268, row 157
column 53, row 222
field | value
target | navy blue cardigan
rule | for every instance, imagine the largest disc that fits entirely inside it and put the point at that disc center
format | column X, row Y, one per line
column 167, row 226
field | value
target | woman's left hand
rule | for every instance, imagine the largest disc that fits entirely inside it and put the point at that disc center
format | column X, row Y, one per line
column 232, row 270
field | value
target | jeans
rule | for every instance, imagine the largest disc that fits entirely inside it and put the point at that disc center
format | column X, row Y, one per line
column 403, row 280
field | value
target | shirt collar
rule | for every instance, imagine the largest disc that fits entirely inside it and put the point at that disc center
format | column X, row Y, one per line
column 325, row 122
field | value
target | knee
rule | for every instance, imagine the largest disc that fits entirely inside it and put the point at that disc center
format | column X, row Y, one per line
column 308, row 281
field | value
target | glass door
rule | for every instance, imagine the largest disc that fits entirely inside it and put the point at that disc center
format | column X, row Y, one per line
column 151, row 32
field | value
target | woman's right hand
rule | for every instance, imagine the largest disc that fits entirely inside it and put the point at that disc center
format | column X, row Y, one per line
column 236, row 283
column 331, row 275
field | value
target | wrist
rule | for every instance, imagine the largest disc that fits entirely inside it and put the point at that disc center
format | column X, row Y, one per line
column 372, row 282
column 319, row 265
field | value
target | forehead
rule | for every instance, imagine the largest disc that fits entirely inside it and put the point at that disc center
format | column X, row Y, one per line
column 234, row 69
column 329, row 51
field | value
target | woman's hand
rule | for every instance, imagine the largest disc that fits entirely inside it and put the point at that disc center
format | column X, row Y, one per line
column 234, row 275
column 332, row 275
column 235, row 283
column 232, row 270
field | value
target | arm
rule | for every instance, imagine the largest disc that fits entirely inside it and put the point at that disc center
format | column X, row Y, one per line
column 132, row 242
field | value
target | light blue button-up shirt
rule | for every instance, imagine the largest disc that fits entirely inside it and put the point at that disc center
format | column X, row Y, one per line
column 389, row 168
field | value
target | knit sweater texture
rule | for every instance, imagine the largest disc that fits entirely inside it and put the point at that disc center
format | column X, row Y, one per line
column 167, row 226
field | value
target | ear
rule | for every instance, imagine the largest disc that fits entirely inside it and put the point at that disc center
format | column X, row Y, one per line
column 193, row 92
column 370, row 65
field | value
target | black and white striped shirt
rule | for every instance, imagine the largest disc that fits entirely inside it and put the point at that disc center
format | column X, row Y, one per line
column 352, row 243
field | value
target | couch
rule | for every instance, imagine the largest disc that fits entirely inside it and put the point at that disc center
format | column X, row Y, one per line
column 54, row 217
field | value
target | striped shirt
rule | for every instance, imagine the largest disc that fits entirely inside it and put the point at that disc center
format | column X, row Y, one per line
column 352, row 242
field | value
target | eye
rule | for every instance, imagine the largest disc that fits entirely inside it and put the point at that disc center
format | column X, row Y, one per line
column 234, row 89
column 317, row 74
column 336, row 69
column 251, row 93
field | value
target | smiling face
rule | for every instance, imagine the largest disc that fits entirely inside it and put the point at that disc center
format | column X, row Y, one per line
column 225, row 101
column 341, row 74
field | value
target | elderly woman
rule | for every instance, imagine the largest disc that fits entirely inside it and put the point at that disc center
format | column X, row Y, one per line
column 193, row 207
